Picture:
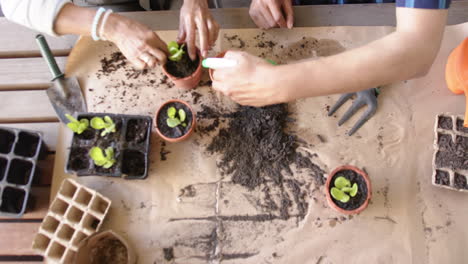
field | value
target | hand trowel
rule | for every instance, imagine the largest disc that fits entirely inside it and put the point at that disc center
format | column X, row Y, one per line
column 64, row 93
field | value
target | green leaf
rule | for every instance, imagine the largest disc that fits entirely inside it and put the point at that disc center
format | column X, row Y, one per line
column 182, row 115
column 339, row 195
column 173, row 47
column 173, row 122
column 108, row 121
column 354, row 190
column 341, row 182
column 109, row 153
column 171, row 112
column 100, row 159
column 73, row 127
column 177, row 56
column 97, row 155
column 346, row 189
column 345, row 198
column 184, row 124
column 97, row 123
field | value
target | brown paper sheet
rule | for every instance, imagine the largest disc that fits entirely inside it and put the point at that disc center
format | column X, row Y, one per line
column 408, row 220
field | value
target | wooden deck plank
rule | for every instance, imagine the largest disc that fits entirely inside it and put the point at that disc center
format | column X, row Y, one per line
column 46, row 168
column 26, row 73
column 17, row 238
column 18, row 106
column 48, row 130
column 19, row 41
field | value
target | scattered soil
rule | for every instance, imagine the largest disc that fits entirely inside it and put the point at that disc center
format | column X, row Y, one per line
column 356, row 201
column 445, row 122
column 256, row 151
column 137, row 130
column 453, row 155
column 109, row 65
column 179, row 130
column 196, row 96
column 7, row 141
column 460, row 181
column 442, row 177
column 79, row 159
column 187, row 191
column 168, row 253
column 109, row 250
column 27, row 144
column 183, row 68
column 163, row 152
column 235, row 41
column 133, row 163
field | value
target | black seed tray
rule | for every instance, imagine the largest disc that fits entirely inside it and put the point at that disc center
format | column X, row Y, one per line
column 450, row 161
column 19, row 151
column 127, row 148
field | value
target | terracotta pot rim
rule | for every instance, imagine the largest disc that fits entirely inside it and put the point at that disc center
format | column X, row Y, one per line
column 186, row 135
column 330, row 199
column 187, row 77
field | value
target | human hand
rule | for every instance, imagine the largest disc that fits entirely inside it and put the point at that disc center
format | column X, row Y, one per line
column 272, row 13
column 251, row 82
column 195, row 15
column 137, row 42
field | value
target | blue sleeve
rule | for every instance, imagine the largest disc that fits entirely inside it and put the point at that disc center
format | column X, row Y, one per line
column 426, row 4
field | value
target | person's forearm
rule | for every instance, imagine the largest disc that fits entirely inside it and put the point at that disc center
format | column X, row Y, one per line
column 399, row 56
column 74, row 20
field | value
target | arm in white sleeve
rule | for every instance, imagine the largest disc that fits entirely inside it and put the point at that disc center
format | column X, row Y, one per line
column 35, row 14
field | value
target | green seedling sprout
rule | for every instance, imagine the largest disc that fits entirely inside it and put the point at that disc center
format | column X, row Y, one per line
column 101, row 158
column 107, row 124
column 343, row 189
column 175, row 50
column 77, row 126
column 175, row 118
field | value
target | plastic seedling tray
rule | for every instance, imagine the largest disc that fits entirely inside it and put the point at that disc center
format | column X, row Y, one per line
column 76, row 213
column 19, row 151
column 130, row 142
column 450, row 162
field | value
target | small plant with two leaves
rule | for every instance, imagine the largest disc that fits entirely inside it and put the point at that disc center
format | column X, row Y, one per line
column 176, row 117
column 102, row 158
column 343, row 190
column 105, row 123
column 175, row 51
column 77, row 126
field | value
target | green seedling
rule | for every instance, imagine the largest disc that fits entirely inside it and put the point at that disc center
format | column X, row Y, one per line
column 77, row 126
column 101, row 158
column 343, row 189
column 175, row 50
column 107, row 124
column 175, row 118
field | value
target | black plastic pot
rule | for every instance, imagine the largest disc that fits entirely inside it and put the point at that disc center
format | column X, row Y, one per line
column 19, row 151
column 126, row 148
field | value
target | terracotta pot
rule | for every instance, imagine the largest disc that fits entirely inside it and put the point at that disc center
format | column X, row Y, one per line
column 85, row 248
column 329, row 197
column 186, row 135
column 210, row 71
column 188, row 82
column 456, row 73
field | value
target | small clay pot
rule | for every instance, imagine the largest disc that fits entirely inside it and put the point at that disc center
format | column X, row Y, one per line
column 188, row 82
column 330, row 199
column 211, row 71
column 85, row 248
column 186, row 135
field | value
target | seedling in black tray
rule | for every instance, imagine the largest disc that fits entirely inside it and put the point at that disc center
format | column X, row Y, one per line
column 116, row 145
column 19, row 152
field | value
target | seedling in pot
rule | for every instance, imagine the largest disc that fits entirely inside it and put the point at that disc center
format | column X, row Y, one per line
column 343, row 190
column 175, row 118
column 101, row 158
column 77, row 126
column 105, row 123
column 175, row 50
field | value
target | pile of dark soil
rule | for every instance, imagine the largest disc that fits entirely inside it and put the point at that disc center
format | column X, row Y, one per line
column 109, row 250
column 255, row 150
column 183, row 68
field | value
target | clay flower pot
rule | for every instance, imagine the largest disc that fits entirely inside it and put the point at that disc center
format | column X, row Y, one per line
column 364, row 200
column 211, row 71
column 163, row 130
column 105, row 247
column 188, row 82
column 456, row 73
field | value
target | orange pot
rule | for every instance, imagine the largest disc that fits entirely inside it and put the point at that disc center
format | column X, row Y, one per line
column 456, row 73
column 329, row 197
column 188, row 82
column 186, row 135
column 211, row 71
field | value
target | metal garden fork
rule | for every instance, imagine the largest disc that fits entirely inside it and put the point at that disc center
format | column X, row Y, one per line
column 366, row 97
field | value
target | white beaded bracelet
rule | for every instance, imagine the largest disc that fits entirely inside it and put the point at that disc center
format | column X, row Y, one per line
column 94, row 26
column 104, row 19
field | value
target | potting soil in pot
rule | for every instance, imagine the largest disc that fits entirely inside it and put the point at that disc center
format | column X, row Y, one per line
column 109, row 250
column 183, row 68
column 356, row 201
column 178, row 131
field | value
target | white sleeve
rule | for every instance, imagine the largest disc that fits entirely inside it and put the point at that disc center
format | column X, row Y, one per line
column 35, row 14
